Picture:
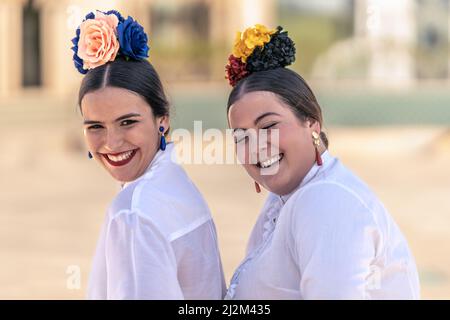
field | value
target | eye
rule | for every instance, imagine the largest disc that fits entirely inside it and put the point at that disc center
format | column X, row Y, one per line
column 239, row 136
column 128, row 122
column 94, row 127
column 269, row 126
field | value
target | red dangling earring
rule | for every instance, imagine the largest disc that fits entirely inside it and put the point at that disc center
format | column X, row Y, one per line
column 257, row 187
column 316, row 141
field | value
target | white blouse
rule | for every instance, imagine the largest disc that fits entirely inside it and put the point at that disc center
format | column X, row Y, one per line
column 331, row 238
column 158, row 240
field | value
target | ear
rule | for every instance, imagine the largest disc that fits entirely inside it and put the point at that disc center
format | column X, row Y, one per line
column 314, row 125
column 163, row 122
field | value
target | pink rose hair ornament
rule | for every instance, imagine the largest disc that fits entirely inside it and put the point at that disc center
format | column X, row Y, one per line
column 102, row 36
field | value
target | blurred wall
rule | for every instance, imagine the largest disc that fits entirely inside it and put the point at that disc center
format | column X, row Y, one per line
column 35, row 35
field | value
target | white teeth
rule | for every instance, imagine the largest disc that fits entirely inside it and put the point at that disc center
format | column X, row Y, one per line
column 271, row 161
column 120, row 157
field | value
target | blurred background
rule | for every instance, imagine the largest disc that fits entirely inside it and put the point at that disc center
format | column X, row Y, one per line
column 380, row 70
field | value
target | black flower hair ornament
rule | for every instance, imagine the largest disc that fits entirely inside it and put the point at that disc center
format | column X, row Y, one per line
column 257, row 49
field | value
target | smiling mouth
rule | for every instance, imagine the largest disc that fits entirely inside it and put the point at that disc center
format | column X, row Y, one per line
column 119, row 159
column 271, row 161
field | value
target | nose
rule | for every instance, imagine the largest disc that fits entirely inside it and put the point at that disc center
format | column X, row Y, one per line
column 113, row 140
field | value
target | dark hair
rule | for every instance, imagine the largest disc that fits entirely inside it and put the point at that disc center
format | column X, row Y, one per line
column 289, row 86
column 137, row 76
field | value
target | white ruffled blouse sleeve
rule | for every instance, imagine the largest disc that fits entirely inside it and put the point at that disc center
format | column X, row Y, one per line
column 336, row 241
column 140, row 262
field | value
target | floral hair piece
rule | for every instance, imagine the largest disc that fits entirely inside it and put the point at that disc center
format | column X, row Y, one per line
column 259, row 49
column 102, row 36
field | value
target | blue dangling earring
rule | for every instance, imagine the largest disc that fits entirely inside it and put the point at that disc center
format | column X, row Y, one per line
column 90, row 155
column 162, row 145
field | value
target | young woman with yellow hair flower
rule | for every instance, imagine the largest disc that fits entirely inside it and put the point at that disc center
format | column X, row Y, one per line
column 322, row 233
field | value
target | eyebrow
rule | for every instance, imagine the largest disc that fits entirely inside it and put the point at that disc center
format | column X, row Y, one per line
column 265, row 115
column 258, row 119
column 125, row 116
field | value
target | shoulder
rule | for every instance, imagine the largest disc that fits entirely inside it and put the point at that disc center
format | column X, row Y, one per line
column 169, row 189
column 338, row 193
column 330, row 191
column 168, row 199
column 331, row 204
column 334, row 217
column 128, row 199
column 158, row 189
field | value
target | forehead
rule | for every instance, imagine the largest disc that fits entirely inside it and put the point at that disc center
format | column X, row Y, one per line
column 110, row 103
column 250, row 106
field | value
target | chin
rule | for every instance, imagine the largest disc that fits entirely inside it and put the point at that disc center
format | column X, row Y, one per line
column 277, row 190
column 125, row 173
column 122, row 176
column 276, row 184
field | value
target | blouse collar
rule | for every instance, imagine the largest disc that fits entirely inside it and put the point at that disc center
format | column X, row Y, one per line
column 326, row 157
column 160, row 156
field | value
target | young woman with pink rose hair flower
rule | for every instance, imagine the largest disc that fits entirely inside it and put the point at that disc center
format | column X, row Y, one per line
column 158, row 240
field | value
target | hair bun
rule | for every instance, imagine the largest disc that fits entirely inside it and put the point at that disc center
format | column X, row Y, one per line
column 259, row 49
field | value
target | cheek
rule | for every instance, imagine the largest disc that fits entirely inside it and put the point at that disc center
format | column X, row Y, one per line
column 283, row 139
column 242, row 153
column 93, row 139
column 295, row 141
column 305, row 152
column 144, row 136
column 252, row 171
